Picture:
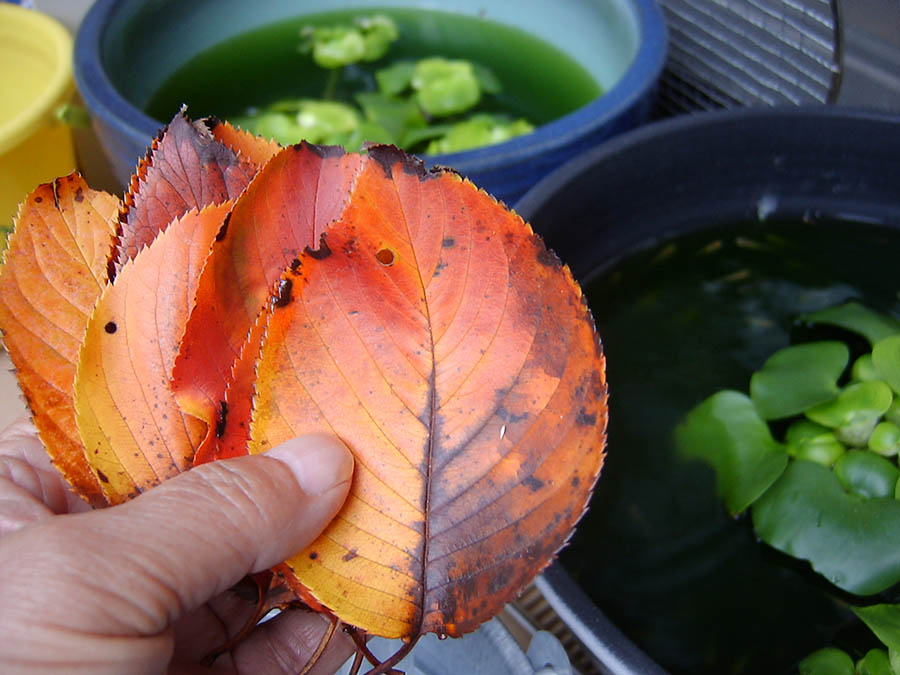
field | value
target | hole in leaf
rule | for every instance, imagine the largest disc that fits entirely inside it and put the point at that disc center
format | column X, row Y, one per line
column 385, row 256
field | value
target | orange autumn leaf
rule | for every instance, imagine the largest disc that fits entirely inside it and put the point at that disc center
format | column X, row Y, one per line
column 283, row 211
column 256, row 149
column 52, row 274
column 456, row 357
column 185, row 168
column 135, row 435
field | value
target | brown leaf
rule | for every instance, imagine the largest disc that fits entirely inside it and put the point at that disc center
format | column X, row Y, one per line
column 185, row 168
column 52, row 275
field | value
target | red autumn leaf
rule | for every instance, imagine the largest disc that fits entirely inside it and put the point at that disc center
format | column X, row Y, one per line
column 185, row 168
column 456, row 357
column 284, row 210
column 53, row 273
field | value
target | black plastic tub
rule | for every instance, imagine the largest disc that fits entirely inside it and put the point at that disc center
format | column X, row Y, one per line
column 698, row 240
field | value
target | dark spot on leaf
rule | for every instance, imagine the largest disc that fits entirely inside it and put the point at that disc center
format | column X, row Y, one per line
column 220, row 235
column 321, row 150
column 211, row 122
column 448, row 242
column 102, row 476
column 349, row 555
column 320, row 253
column 221, row 418
column 110, row 327
column 389, row 155
column 284, row 293
column 79, row 195
column 576, row 481
column 585, row 419
column 509, row 417
column 295, row 264
column 534, row 484
column 547, row 257
column 313, row 555
column 38, row 200
column 353, row 312
column 385, row 256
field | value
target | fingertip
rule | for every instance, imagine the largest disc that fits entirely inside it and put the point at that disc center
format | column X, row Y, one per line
column 319, row 462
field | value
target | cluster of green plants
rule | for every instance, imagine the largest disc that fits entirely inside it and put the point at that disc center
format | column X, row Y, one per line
column 812, row 454
column 428, row 105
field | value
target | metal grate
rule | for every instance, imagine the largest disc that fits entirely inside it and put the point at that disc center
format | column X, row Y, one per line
column 539, row 615
column 728, row 53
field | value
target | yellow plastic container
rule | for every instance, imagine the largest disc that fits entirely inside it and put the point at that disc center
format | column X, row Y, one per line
column 35, row 79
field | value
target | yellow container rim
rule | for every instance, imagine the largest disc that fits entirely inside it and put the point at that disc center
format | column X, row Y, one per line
column 15, row 20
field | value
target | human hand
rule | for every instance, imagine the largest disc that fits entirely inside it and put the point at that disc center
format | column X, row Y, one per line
column 143, row 586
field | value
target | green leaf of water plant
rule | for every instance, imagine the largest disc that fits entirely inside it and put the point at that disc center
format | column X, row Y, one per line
column 726, row 431
column 395, row 78
column 445, row 86
column 855, row 411
column 894, row 658
column 884, row 621
column 334, row 46
column 414, row 137
column 885, row 439
column 866, row 474
column 478, row 131
column 368, row 132
column 893, row 413
column 813, row 442
column 291, row 121
column 857, row 318
column 827, row 661
column 378, row 32
column 886, row 359
column 797, row 377
column 397, row 116
column 486, row 79
column 864, row 369
column 281, row 127
column 850, row 541
column 875, row 662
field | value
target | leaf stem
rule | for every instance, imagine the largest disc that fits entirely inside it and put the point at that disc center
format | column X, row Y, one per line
column 331, row 84
column 387, row 666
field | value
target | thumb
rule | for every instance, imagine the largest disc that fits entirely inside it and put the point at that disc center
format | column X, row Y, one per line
column 133, row 569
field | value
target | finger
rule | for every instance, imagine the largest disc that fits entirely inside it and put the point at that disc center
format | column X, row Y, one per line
column 30, row 487
column 284, row 645
column 135, row 568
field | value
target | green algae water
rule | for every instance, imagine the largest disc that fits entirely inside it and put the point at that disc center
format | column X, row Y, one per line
column 657, row 551
column 261, row 66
